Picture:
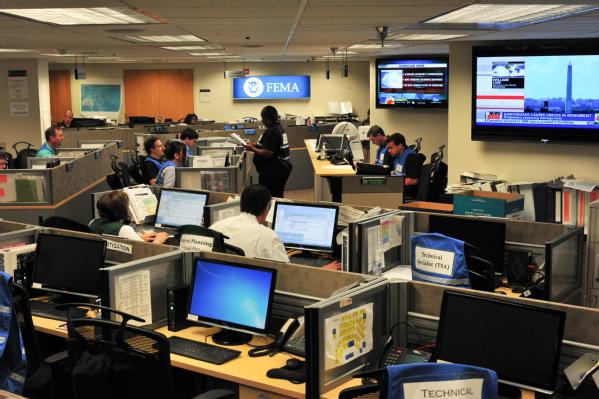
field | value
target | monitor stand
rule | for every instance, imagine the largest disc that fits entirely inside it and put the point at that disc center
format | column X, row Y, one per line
column 508, row 391
column 230, row 337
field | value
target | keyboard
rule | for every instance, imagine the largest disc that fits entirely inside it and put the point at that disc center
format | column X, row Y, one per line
column 49, row 311
column 315, row 262
column 202, row 351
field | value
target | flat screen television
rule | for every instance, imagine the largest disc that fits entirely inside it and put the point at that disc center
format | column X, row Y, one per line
column 543, row 93
column 412, row 82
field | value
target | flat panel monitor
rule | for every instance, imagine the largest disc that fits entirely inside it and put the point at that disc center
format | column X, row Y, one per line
column 306, row 226
column 412, row 82
column 88, row 122
column 142, row 120
column 536, row 92
column 332, row 142
column 488, row 237
column 521, row 343
column 68, row 264
column 179, row 207
column 233, row 296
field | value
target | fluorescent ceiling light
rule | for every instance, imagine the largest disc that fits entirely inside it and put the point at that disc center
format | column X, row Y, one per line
column 374, row 46
column 426, row 36
column 16, row 50
column 509, row 13
column 165, row 38
column 63, row 55
column 191, row 48
column 224, row 56
column 208, row 54
column 82, row 16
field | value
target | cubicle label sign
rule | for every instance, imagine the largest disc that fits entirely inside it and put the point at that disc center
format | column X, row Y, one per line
column 119, row 247
column 271, row 87
column 471, row 388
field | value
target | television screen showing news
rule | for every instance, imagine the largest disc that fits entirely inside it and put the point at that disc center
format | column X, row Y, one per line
column 541, row 91
column 412, row 83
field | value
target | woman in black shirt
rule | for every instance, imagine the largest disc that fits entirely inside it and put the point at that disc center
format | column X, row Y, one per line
column 271, row 153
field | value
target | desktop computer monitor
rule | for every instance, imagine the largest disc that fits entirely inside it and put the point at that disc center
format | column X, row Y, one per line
column 333, row 142
column 306, row 226
column 520, row 342
column 179, row 207
column 236, row 297
column 142, row 120
column 488, row 237
column 68, row 265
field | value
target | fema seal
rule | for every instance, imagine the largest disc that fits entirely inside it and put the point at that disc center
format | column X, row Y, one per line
column 253, row 87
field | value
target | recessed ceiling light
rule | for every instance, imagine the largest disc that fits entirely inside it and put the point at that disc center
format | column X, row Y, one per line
column 16, row 50
column 165, row 38
column 209, row 54
column 509, row 13
column 190, row 48
column 82, row 16
column 426, row 36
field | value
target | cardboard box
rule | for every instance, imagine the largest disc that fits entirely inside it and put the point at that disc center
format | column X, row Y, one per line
column 484, row 203
column 423, row 206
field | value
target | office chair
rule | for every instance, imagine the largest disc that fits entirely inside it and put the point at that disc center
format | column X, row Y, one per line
column 391, row 380
column 9, row 159
column 433, row 178
column 218, row 238
column 116, row 360
column 41, row 373
column 20, row 161
column 135, row 170
column 60, row 222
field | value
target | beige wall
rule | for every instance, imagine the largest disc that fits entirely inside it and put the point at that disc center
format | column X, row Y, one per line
column 21, row 128
column 431, row 125
column 511, row 161
column 223, row 108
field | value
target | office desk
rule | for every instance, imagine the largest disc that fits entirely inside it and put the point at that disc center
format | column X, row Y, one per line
column 350, row 188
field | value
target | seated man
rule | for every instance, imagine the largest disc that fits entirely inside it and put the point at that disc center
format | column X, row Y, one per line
column 376, row 135
column 406, row 162
column 175, row 156
column 247, row 231
column 54, row 139
column 3, row 160
column 153, row 162
column 189, row 137
column 68, row 119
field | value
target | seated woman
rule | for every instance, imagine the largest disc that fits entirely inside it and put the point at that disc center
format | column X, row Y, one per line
column 113, row 207
column 191, row 119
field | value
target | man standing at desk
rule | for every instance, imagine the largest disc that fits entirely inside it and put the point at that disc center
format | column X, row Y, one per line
column 406, row 162
column 54, row 139
column 376, row 135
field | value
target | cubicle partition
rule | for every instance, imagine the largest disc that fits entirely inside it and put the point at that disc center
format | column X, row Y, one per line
column 72, row 137
column 559, row 248
column 222, row 179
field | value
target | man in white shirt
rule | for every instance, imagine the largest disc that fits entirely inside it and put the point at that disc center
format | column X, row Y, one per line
column 246, row 230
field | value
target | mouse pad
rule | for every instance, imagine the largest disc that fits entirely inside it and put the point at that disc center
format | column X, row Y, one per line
column 296, row 375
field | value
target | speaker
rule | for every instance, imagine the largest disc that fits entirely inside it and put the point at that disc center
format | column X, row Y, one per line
column 80, row 73
column 176, row 305
column 517, row 268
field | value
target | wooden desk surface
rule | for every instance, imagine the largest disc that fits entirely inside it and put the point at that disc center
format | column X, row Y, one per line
column 326, row 168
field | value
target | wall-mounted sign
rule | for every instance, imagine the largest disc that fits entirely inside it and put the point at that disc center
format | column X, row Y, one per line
column 271, row 87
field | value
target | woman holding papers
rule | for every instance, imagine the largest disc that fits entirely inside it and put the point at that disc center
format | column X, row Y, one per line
column 271, row 153
column 112, row 208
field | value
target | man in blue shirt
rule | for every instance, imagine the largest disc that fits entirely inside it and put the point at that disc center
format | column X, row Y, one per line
column 189, row 137
column 406, row 162
column 54, row 139
column 376, row 134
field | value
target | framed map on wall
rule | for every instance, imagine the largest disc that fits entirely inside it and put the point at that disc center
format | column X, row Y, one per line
column 100, row 98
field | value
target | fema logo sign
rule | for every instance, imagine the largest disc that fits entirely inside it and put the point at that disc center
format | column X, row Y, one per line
column 271, row 87
column 253, row 87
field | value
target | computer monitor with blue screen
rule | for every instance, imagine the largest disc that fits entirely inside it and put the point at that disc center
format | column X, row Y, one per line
column 306, row 226
column 179, row 207
column 235, row 297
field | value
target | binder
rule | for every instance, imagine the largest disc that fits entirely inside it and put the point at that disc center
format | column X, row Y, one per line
column 27, row 190
column 569, row 206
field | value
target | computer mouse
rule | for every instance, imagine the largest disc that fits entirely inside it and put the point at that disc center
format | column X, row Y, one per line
column 293, row 364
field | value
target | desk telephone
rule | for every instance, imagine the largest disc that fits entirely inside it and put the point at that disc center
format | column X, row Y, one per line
column 386, row 354
column 293, row 339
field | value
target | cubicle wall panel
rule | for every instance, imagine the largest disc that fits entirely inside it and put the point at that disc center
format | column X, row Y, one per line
column 565, row 274
column 593, row 260
column 124, row 134
column 9, row 226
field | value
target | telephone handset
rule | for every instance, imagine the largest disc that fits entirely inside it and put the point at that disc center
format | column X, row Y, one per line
column 294, row 339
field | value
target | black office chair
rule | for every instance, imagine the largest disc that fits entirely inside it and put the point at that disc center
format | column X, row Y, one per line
column 116, row 360
column 20, row 161
column 59, row 222
column 41, row 373
column 135, row 170
column 218, row 245
column 9, row 159
column 433, row 178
